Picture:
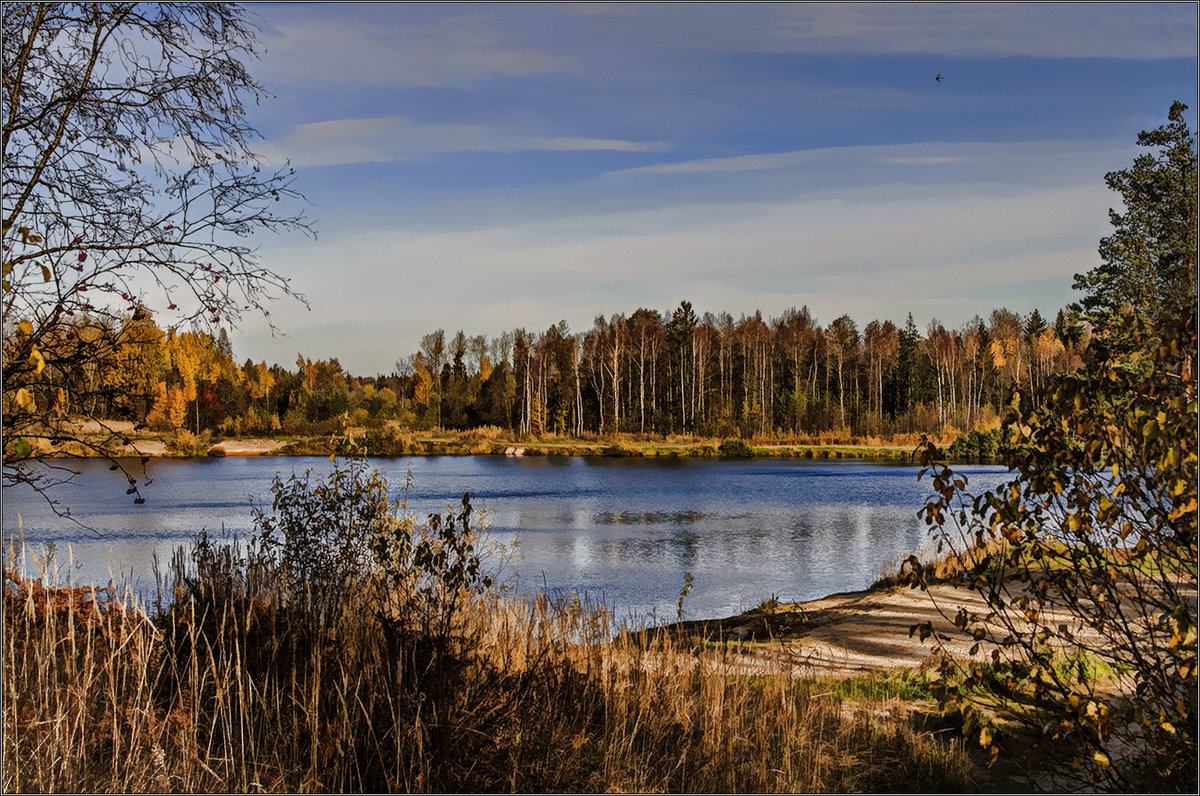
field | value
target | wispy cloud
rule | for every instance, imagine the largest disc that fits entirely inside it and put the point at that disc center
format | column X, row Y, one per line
column 404, row 44
column 397, row 138
column 932, row 153
column 974, row 30
column 573, row 144
column 758, row 162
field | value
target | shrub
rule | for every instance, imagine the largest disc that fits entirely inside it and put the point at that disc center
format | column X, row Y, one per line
column 977, row 445
column 342, row 534
column 188, row 444
column 1098, row 521
column 736, row 449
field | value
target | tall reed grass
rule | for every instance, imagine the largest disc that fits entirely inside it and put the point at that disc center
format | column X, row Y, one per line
column 235, row 685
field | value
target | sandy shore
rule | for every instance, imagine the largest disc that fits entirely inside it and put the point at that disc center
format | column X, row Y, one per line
column 155, row 448
column 248, row 447
column 856, row 632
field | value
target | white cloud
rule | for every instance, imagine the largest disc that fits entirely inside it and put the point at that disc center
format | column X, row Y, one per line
column 759, row 162
column 393, row 138
column 930, row 160
column 929, row 154
column 571, row 144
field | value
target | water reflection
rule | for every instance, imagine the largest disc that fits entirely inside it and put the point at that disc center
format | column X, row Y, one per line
column 623, row 529
column 648, row 517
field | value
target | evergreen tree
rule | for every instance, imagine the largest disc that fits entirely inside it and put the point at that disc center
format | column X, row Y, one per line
column 908, row 370
column 679, row 334
column 1035, row 324
column 1060, row 325
column 1149, row 262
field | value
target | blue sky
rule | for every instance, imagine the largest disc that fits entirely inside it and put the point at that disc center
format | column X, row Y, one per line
column 484, row 167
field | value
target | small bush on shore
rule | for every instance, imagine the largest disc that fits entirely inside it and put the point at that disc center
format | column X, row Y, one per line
column 736, row 449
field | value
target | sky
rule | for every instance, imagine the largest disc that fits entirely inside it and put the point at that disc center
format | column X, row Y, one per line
column 486, row 167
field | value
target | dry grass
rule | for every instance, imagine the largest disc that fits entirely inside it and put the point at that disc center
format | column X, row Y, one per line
column 231, row 688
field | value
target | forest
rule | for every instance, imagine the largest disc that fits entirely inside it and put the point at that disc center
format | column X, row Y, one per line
column 648, row 372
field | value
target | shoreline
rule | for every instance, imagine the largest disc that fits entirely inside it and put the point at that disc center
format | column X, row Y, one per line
column 159, row 447
column 120, row 438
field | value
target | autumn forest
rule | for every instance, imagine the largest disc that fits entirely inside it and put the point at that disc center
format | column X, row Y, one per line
column 646, row 373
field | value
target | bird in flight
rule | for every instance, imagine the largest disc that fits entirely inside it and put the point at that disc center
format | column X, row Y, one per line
column 939, row 77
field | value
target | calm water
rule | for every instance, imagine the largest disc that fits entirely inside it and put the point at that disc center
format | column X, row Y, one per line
column 623, row 530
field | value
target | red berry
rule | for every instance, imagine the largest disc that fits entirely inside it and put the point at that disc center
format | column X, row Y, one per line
column 82, row 256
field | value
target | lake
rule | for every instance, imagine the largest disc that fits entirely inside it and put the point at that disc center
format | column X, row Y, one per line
column 620, row 530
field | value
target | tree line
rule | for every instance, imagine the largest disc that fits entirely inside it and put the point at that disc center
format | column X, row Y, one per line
column 680, row 372
column 648, row 372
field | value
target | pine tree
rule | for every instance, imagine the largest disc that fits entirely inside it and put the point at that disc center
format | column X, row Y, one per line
column 1035, row 324
column 1149, row 262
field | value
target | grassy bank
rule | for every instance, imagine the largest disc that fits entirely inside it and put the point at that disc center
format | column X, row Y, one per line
column 239, row 686
column 122, row 438
column 482, row 443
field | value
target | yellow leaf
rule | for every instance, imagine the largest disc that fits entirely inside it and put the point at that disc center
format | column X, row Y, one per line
column 7, row 269
column 45, row 273
column 1101, row 759
column 37, row 360
column 25, row 326
column 24, row 399
column 985, row 737
column 1186, row 508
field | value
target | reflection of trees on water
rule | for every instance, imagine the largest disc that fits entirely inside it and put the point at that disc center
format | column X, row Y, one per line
column 648, row 517
column 686, row 544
